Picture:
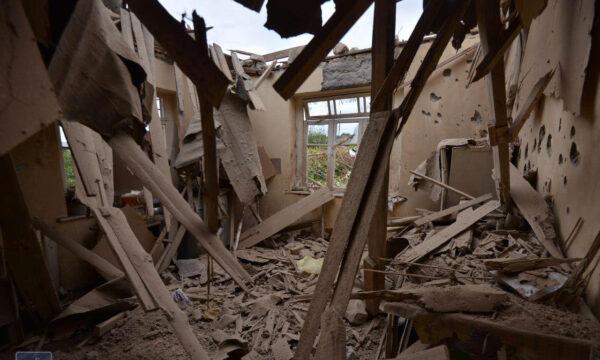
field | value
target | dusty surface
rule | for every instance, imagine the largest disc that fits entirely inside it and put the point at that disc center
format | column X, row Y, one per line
column 267, row 320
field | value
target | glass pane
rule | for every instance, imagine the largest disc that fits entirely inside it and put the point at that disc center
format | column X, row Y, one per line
column 317, row 134
column 344, row 161
column 316, row 166
column 318, row 108
column 346, row 106
column 368, row 103
column 346, row 133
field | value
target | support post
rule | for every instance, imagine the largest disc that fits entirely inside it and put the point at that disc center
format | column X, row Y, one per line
column 490, row 32
column 384, row 25
column 210, row 186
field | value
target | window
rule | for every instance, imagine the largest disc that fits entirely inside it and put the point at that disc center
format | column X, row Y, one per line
column 333, row 128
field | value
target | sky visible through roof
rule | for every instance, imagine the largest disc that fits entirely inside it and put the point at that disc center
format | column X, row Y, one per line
column 236, row 27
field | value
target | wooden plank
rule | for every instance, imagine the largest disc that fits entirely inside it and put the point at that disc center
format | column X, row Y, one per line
column 445, row 186
column 237, row 66
column 310, row 57
column 542, row 344
column 536, row 211
column 142, row 262
column 134, row 278
column 332, row 344
column 171, row 250
column 529, row 104
column 220, row 58
column 366, row 173
column 384, row 25
column 185, row 51
column 285, row 217
column 133, row 156
column 440, row 238
column 490, row 27
column 264, row 75
column 451, row 210
column 268, row 169
column 27, row 100
column 490, row 60
column 397, row 72
column 21, row 247
column 102, row 265
column 210, row 164
column 276, row 55
column 360, row 232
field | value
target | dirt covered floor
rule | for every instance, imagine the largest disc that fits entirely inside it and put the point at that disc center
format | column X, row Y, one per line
column 263, row 325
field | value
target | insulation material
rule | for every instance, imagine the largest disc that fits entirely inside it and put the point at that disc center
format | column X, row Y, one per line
column 240, row 158
column 566, row 47
column 25, row 89
column 103, row 96
column 347, row 71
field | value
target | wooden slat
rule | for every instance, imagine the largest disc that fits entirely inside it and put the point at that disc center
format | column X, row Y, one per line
column 360, row 232
column 237, row 66
column 220, row 58
column 438, row 239
column 210, row 165
column 133, row 156
column 185, row 51
column 276, row 55
column 384, row 25
column 529, row 105
column 451, row 210
column 134, row 278
column 490, row 60
column 284, row 218
column 397, row 72
column 102, row 265
column 21, row 247
column 264, row 75
column 490, row 27
column 534, row 208
column 367, row 171
column 331, row 33
column 170, row 250
column 142, row 262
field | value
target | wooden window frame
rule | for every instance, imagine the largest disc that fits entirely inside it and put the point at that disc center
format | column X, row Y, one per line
column 332, row 119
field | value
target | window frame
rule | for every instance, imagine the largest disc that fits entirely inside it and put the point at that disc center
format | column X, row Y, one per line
column 332, row 119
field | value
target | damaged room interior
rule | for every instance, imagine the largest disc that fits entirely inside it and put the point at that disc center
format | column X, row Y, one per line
column 317, row 179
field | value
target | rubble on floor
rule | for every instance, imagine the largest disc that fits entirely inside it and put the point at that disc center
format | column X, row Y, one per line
column 265, row 324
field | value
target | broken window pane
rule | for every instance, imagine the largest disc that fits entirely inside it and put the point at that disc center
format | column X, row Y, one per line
column 317, row 134
column 346, row 133
column 317, row 108
column 346, row 106
column 344, row 161
column 316, row 167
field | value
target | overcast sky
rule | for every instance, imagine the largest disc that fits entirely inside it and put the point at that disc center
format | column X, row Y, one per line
column 236, row 27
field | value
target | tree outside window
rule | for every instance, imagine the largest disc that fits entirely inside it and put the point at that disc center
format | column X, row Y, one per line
column 333, row 128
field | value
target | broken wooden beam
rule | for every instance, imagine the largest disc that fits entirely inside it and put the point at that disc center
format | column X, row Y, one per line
column 104, row 267
column 530, row 103
column 171, row 249
column 512, row 265
column 132, row 155
column 285, row 217
column 366, row 181
column 141, row 261
column 536, row 211
column 438, row 239
column 490, row 27
column 445, row 186
column 542, row 344
column 490, row 59
column 347, row 13
column 21, row 246
column 384, row 24
column 210, row 164
column 451, row 210
column 188, row 55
